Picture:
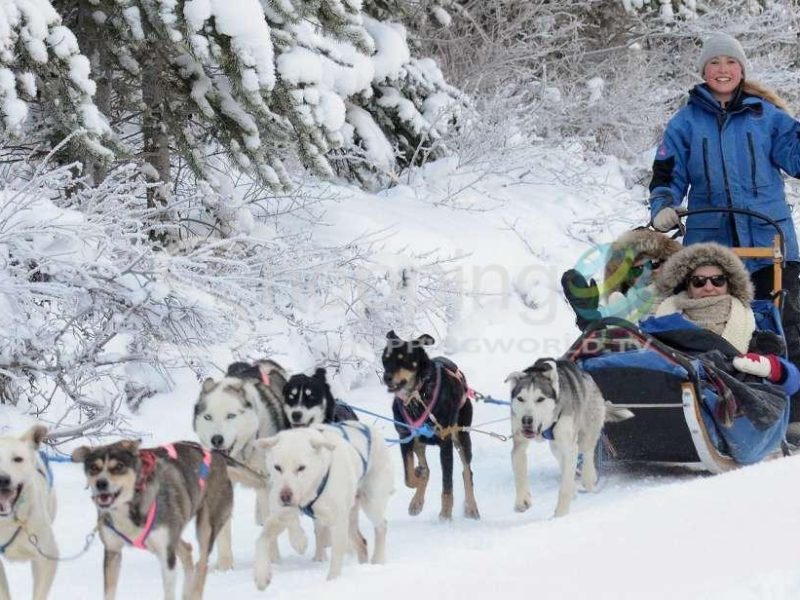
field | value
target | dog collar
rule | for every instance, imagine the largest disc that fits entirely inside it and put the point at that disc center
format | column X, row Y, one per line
column 308, row 509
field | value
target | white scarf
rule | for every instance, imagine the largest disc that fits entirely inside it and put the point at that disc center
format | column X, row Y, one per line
column 740, row 325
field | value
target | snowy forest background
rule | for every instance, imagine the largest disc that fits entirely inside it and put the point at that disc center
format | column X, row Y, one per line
column 166, row 164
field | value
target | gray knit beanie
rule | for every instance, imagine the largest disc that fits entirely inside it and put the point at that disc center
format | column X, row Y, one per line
column 721, row 44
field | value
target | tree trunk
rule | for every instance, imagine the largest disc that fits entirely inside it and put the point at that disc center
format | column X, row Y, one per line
column 156, row 141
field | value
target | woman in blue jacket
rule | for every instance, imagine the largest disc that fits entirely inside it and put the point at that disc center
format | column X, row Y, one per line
column 729, row 147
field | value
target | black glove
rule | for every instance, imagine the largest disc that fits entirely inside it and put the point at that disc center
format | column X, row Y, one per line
column 583, row 297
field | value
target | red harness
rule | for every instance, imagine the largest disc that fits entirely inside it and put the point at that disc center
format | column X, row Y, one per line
column 146, row 471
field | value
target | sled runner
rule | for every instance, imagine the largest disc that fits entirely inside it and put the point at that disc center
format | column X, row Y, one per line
column 688, row 409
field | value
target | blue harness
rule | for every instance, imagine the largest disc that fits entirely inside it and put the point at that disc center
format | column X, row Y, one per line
column 11, row 541
column 308, row 509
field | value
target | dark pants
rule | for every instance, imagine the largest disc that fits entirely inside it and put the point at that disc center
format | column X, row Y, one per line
column 762, row 279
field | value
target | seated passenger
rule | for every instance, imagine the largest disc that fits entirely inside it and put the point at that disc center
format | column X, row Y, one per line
column 627, row 290
column 709, row 285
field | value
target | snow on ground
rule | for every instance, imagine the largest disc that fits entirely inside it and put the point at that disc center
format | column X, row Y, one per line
column 648, row 533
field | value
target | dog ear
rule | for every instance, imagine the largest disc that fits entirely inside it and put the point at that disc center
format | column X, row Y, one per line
column 549, row 369
column 35, row 435
column 209, row 384
column 514, row 378
column 80, row 454
column 425, row 340
column 320, row 374
column 319, row 444
column 267, row 442
column 392, row 335
column 131, row 446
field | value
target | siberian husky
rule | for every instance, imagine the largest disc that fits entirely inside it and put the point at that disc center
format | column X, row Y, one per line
column 230, row 414
column 555, row 400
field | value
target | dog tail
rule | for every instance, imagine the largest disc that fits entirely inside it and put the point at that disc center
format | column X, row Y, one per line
column 615, row 414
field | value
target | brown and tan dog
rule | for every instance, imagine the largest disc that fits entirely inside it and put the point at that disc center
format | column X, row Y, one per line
column 145, row 498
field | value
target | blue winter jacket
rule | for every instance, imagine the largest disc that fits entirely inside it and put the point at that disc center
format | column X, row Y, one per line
column 729, row 158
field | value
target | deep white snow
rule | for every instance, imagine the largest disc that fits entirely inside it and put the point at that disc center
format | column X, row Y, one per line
column 646, row 534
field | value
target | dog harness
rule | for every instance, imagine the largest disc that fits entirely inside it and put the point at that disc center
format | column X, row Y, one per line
column 10, row 541
column 365, row 431
column 308, row 509
column 148, row 458
column 434, row 398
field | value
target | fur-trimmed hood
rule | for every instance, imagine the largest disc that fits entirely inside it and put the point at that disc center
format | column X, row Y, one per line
column 672, row 277
column 629, row 247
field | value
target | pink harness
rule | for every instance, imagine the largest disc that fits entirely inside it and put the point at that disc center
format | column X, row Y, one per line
column 139, row 540
column 468, row 393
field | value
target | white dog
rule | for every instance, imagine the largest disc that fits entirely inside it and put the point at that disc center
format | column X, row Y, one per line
column 327, row 472
column 557, row 401
column 229, row 415
column 27, row 509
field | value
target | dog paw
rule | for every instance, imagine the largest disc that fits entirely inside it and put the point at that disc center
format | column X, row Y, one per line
column 224, row 563
column 415, row 506
column 561, row 512
column 471, row 512
column 262, row 579
column 523, row 504
column 446, row 515
column 298, row 540
column 320, row 556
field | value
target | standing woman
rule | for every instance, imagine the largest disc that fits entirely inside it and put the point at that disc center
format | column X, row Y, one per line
column 729, row 147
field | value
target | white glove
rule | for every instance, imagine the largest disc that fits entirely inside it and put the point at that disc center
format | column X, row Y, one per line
column 754, row 364
column 666, row 219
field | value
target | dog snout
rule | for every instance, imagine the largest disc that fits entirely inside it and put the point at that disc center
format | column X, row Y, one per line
column 296, row 415
column 101, row 485
column 5, row 481
column 217, row 441
column 527, row 421
column 285, row 496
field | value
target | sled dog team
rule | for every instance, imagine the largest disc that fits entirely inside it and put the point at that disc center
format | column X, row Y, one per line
column 304, row 454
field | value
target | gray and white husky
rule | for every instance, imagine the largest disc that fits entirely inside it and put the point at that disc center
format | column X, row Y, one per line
column 229, row 415
column 557, row 401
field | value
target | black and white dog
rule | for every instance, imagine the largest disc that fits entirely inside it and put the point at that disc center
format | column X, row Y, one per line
column 433, row 392
column 309, row 401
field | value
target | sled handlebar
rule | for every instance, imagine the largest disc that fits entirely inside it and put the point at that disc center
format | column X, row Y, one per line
column 738, row 211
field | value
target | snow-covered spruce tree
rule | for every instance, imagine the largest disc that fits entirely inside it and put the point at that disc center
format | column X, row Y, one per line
column 262, row 83
column 42, row 71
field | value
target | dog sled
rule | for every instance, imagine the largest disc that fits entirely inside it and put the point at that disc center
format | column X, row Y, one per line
column 686, row 410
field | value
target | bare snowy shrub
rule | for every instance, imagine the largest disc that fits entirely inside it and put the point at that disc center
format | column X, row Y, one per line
column 604, row 74
column 84, row 295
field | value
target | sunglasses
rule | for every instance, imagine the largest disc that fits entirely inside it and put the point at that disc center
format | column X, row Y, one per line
column 651, row 265
column 699, row 281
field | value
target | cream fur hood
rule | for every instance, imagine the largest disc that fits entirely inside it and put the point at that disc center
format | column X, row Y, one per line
column 672, row 276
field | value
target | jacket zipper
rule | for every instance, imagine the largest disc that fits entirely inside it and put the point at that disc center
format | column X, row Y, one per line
column 752, row 162
column 734, row 234
column 705, row 166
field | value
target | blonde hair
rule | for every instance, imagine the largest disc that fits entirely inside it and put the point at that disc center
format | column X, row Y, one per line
column 754, row 88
